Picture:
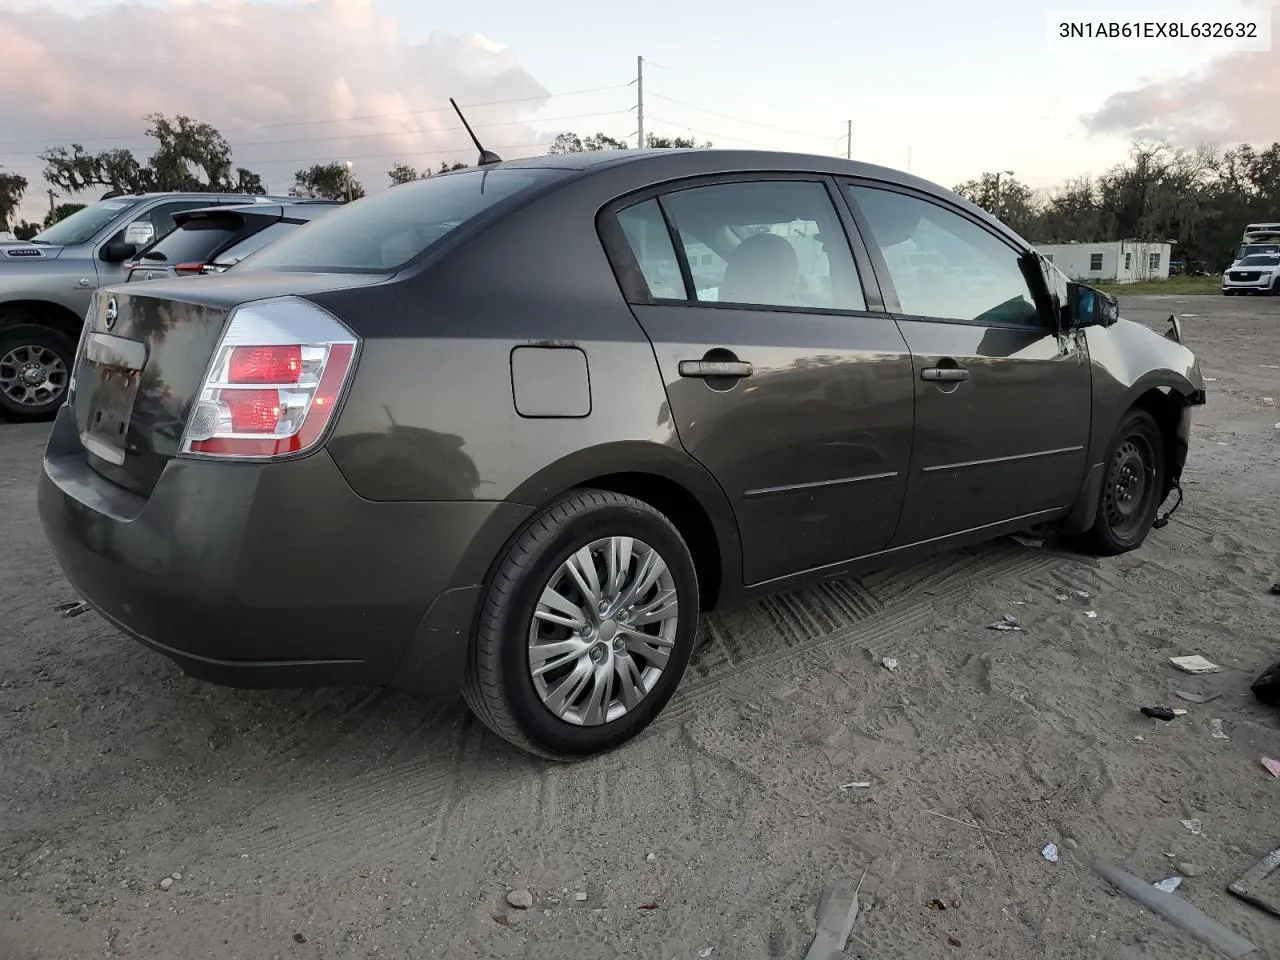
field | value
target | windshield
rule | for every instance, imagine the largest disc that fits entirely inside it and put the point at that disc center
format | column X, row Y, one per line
column 1261, row 260
column 84, row 225
column 385, row 231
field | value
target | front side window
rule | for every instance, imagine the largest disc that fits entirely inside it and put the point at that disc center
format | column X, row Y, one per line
column 766, row 243
column 944, row 266
column 385, row 231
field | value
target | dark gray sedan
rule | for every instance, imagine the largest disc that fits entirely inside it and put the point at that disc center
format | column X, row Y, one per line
column 508, row 430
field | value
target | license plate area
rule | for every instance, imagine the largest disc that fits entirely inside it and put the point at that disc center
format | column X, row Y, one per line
column 115, row 367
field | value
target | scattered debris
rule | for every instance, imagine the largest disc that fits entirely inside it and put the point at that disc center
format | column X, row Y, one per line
column 1006, row 622
column 1050, row 852
column 1269, row 401
column 500, row 918
column 166, row 883
column 1267, row 685
column 580, row 896
column 1163, row 713
column 652, row 857
column 1249, row 885
column 936, row 904
column 1275, row 587
column 1092, row 614
column 1028, row 541
column 705, row 952
column 1272, row 766
column 520, row 899
column 955, row 904
column 1062, row 598
column 1196, row 697
column 1216, row 731
column 954, row 941
column 856, row 785
column 1178, row 911
column 1140, row 738
column 647, row 906
column 1210, row 379
column 1169, row 884
column 890, row 663
column 72, row 609
column 1194, row 664
column 1195, row 826
column 837, row 911
column 1084, row 594
column 1191, row 870
column 299, row 938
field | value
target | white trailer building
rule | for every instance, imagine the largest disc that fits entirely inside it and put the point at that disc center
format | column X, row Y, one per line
column 1119, row 261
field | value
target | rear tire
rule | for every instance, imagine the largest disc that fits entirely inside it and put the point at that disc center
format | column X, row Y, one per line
column 1132, row 484
column 588, row 671
column 35, row 371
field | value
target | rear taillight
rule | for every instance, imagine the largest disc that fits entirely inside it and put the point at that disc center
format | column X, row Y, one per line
column 274, row 382
column 187, row 269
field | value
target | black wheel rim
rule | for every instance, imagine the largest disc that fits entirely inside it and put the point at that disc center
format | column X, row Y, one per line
column 1130, row 486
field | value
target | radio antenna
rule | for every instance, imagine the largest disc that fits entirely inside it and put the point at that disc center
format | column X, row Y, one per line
column 486, row 156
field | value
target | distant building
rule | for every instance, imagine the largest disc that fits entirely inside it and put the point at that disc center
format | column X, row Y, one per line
column 1119, row 261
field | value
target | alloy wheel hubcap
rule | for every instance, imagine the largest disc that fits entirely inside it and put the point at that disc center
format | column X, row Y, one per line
column 32, row 375
column 603, row 630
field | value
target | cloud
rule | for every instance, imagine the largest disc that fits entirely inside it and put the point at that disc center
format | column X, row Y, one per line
column 1232, row 100
column 262, row 74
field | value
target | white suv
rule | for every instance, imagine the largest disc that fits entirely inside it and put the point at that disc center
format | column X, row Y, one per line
column 1256, row 273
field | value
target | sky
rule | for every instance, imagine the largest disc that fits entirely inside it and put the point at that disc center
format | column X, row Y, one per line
column 930, row 86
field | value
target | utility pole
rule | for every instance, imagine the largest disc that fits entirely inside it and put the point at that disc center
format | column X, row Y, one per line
column 908, row 159
column 52, row 206
column 640, row 103
column 346, row 179
column 999, row 174
column 848, row 140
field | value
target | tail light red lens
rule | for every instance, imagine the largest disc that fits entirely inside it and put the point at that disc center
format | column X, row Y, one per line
column 274, row 383
column 187, row 269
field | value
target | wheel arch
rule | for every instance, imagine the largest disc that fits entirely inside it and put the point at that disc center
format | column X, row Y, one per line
column 669, row 481
column 42, row 313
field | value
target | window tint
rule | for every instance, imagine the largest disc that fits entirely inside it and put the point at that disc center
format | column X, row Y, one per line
column 772, row 243
column 251, row 244
column 647, row 235
column 161, row 216
column 943, row 265
column 387, row 230
column 194, row 241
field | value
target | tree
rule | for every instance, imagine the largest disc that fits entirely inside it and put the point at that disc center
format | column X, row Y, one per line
column 25, row 229
column 654, row 142
column 1005, row 198
column 569, row 142
column 189, row 155
column 402, row 173
column 61, row 212
column 12, row 187
column 325, row 181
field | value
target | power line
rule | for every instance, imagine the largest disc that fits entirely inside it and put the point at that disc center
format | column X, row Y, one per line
column 368, row 116
column 394, row 133
column 383, row 156
column 750, row 123
column 712, row 133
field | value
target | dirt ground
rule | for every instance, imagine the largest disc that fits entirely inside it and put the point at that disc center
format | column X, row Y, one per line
column 336, row 824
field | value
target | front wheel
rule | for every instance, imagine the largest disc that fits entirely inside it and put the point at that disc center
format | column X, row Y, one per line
column 35, row 371
column 586, row 627
column 1132, row 487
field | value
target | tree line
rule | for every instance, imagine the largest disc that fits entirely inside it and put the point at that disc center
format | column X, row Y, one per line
column 1200, row 199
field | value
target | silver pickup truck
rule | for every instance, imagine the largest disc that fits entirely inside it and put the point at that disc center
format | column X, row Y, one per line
column 46, row 284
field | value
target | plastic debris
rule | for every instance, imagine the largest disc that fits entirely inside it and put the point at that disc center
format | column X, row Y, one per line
column 1216, row 731
column 1050, row 852
column 856, row 785
column 1006, row 622
column 837, row 911
column 705, row 952
column 1028, row 541
column 1272, row 766
column 1169, row 884
column 890, row 663
column 1163, row 713
column 1196, row 697
column 1194, row 664
column 936, row 904
column 72, row 609
column 1092, row 614
column 1195, row 826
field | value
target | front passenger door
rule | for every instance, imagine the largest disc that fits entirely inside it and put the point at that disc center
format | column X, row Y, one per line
column 1003, row 399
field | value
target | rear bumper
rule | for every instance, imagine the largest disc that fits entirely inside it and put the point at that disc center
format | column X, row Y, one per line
column 274, row 575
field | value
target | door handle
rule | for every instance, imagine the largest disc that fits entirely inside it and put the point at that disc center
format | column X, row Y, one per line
column 944, row 374
column 708, row 369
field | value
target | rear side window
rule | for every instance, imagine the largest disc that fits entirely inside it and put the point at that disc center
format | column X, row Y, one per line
column 387, row 230
column 647, row 235
column 193, row 242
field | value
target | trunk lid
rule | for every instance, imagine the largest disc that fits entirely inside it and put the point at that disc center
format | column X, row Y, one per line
column 142, row 361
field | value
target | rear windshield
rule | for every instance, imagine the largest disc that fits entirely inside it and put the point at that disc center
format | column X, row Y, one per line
column 193, row 242
column 83, row 225
column 251, row 244
column 385, row 231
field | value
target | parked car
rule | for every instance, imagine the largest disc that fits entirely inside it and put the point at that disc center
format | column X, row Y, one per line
column 1256, row 273
column 46, row 284
column 481, row 431
column 211, row 239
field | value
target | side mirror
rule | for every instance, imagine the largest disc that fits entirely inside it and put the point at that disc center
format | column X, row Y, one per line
column 116, row 251
column 1088, row 307
column 140, row 233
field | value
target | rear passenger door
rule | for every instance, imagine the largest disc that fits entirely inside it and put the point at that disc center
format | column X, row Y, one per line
column 1003, row 398
column 786, row 379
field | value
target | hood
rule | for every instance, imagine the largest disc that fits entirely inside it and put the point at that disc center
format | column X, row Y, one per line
column 23, row 251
